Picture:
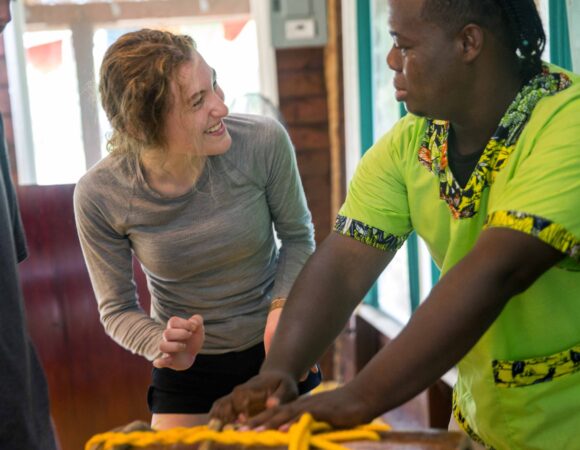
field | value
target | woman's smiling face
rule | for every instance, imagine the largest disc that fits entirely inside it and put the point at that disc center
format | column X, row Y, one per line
column 193, row 124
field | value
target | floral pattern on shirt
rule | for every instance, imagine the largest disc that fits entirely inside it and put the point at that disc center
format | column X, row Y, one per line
column 465, row 202
column 526, row 372
column 368, row 235
column 550, row 233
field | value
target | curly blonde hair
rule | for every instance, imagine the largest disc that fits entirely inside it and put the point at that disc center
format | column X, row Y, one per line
column 135, row 86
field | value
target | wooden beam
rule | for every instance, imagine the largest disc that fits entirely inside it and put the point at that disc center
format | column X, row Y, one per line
column 59, row 15
column 82, row 37
column 334, row 82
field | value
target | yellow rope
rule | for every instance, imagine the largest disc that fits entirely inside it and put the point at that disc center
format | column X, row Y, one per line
column 301, row 435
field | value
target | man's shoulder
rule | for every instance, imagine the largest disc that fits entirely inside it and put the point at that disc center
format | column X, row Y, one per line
column 404, row 135
column 561, row 109
column 568, row 93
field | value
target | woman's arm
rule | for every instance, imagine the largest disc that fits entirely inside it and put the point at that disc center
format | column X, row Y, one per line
column 109, row 262
column 290, row 215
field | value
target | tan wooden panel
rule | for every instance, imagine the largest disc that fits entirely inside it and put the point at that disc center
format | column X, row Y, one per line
column 308, row 138
column 309, row 110
column 313, row 164
column 301, row 84
column 299, row 58
column 316, row 188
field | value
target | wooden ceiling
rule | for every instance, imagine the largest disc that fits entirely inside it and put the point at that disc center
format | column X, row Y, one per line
column 53, row 13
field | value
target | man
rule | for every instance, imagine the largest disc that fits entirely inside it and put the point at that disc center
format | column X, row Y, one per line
column 493, row 187
column 24, row 410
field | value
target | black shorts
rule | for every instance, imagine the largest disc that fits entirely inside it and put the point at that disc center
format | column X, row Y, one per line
column 194, row 390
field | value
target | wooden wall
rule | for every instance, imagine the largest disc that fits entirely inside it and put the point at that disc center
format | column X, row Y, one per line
column 303, row 103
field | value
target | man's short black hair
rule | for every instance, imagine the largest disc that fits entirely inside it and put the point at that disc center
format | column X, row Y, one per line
column 516, row 23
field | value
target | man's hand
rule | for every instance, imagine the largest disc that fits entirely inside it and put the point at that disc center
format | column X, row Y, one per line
column 182, row 340
column 341, row 408
column 266, row 390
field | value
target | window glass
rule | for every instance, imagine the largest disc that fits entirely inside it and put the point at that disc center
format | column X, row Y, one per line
column 386, row 110
column 54, row 106
column 394, row 294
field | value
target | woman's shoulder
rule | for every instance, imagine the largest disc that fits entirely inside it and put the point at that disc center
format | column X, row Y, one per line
column 252, row 127
column 254, row 137
column 113, row 173
column 252, row 120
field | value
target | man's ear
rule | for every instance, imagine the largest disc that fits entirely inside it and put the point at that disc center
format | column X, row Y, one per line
column 471, row 39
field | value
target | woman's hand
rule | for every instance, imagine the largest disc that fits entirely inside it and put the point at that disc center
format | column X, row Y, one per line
column 182, row 340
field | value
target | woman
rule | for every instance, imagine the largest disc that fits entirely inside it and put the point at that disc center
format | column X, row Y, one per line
column 193, row 194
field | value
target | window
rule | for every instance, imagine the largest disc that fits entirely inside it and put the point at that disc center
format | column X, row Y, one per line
column 53, row 92
column 54, row 58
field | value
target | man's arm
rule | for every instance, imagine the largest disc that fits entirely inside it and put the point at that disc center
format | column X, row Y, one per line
column 332, row 283
column 458, row 311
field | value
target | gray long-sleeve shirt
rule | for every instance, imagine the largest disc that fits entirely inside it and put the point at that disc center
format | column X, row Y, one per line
column 211, row 251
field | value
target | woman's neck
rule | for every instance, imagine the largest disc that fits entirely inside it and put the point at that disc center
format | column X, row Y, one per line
column 171, row 175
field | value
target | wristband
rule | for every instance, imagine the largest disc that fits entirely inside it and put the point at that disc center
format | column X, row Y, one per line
column 277, row 303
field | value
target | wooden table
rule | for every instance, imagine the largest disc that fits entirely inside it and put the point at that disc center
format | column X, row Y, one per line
column 391, row 440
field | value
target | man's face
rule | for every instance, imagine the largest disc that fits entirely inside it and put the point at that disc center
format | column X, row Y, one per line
column 425, row 60
column 5, row 16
